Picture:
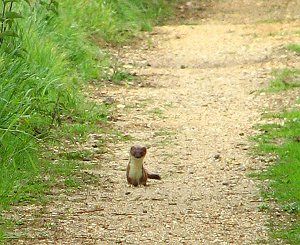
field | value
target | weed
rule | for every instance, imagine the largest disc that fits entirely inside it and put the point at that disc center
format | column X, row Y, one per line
column 164, row 132
column 268, row 21
column 119, row 76
column 284, row 79
column 287, row 232
column 294, row 47
column 157, row 111
column 84, row 155
column 263, row 207
column 164, row 136
column 72, row 183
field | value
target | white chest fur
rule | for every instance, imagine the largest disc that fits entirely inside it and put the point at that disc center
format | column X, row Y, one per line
column 136, row 167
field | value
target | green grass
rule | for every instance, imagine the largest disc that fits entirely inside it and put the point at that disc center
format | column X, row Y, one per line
column 282, row 140
column 157, row 112
column 294, row 47
column 286, row 231
column 43, row 113
column 113, row 21
column 120, row 76
column 284, row 175
column 284, row 79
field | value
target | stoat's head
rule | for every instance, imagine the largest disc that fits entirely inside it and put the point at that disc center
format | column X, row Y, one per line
column 138, row 151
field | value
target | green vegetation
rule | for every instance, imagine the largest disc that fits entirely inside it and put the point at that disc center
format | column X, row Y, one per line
column 157, row 112
column 294, row 47
column 48, row 50
column 282, row 141
column 284, row 79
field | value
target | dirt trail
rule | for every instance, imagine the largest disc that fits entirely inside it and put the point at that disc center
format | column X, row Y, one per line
column 195, row 109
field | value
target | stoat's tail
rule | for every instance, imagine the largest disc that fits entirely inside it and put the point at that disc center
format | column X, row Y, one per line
column 154, row 176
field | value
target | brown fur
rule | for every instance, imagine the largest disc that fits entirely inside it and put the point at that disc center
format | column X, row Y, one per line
column 140, row 175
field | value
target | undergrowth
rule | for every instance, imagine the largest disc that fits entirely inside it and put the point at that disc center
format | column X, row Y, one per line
column 43, row 69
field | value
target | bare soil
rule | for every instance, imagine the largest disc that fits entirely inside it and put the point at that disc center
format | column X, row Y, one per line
column 195, row 106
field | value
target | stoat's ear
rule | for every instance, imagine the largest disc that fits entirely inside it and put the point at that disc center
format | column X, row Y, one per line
column 144, row 149
column 131, row 149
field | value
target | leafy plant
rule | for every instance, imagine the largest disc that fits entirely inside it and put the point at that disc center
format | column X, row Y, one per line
column 8, row 19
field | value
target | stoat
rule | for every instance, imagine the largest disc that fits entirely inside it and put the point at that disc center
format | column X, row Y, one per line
column 136, row 173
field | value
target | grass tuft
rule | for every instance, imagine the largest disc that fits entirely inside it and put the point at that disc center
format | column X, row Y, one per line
column 294, row 47
column 283, row 140
column 284, row 79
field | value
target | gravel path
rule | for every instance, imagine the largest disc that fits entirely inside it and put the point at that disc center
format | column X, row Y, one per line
column 194, row 107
